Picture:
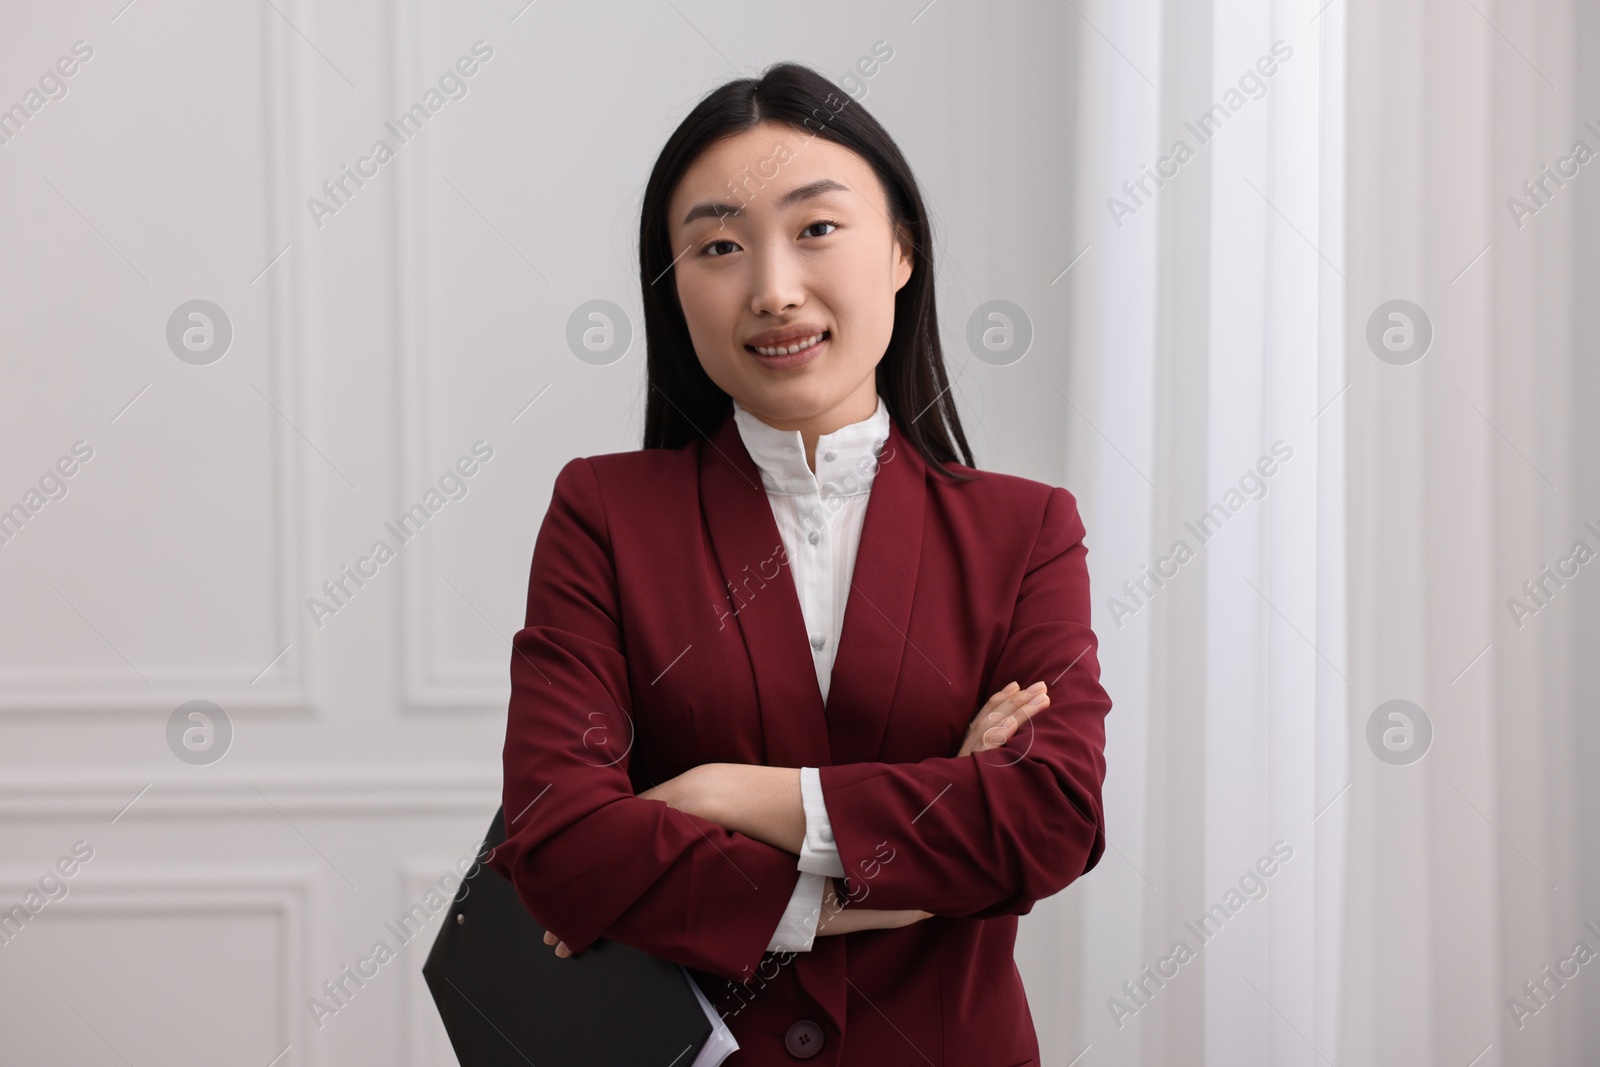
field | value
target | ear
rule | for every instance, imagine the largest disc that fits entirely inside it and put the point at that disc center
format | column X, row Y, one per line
column 904, row 257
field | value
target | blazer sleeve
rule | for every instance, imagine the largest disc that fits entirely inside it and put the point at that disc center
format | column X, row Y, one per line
column 991, row 833
column 587, row 857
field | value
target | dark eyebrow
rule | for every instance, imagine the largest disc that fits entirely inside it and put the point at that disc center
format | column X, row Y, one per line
column 804, row 192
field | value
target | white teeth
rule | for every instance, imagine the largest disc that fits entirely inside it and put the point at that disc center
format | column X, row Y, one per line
column 786, row 350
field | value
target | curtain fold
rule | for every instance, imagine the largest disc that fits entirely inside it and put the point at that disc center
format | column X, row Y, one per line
column 1218, row 304
column 1368, row 648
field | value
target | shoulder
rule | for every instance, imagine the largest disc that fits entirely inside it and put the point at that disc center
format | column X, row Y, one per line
column 638, row 465
column 614, row 479
column 1034, row 512
column 1026, row 502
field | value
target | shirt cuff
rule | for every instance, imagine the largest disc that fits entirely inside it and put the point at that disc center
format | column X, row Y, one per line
column 798, row 927
column 818, row 853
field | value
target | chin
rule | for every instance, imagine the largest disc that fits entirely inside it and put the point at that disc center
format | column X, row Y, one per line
column 798, row 399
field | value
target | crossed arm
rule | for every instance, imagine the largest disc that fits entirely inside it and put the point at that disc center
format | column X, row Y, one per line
column 765, row 803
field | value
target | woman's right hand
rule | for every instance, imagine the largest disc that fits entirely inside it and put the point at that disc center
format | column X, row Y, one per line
column 1003, row 716
column 837, row 919
column 999, row 718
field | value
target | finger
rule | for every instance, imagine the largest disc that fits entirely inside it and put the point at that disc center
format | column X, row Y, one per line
column 981, row 738
column 998, row 734
column 550, row 938
column 1016, row 700
column 562, row 950
column 1002, row 732
column 1039, row 702
column 1005, row 719
column 991, row 711
column 1009, row 727
column 1026, row 704
column 995, row 701
column 1005, row 693
column 985, row 731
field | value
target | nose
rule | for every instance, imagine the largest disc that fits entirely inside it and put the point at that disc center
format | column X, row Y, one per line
column 776, row 282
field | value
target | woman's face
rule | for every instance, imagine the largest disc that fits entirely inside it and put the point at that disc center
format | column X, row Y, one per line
column 780, row 237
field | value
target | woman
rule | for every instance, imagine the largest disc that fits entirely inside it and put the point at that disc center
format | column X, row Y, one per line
column 834, row 845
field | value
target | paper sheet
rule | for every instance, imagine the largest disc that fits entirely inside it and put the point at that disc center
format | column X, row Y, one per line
column 721, row 1044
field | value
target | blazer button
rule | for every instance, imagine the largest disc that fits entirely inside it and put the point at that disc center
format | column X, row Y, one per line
column 804, row 1039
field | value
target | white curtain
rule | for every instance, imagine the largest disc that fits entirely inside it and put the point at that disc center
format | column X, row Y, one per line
column 1471, row 471
column 1225, row 309
column 1208, row 333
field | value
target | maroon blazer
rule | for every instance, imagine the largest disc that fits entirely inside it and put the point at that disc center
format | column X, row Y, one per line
column 663, row 631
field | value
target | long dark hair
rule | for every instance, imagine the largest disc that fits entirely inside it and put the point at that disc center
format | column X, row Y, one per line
column 683, row 402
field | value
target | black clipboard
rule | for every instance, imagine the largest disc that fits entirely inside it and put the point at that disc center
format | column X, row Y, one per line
column 507, row 999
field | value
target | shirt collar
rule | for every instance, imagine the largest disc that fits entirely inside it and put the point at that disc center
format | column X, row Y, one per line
column 846, row 458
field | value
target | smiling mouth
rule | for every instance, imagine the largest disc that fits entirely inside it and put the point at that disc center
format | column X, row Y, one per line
column 788, row 350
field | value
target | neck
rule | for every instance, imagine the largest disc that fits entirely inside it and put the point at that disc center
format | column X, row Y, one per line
column 859, row 406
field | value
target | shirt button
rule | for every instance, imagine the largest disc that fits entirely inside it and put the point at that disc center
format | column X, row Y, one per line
column 813, row 537
column 831, row 456
column 817, row 641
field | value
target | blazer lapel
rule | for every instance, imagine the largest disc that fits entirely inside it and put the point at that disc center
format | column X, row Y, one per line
column 761, row 594
column 877, row 614
column 797, row 730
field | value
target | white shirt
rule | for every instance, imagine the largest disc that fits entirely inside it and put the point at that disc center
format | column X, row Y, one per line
column 819, row 517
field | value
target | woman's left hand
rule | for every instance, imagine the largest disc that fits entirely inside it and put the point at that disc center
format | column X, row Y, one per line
column 680, row 793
